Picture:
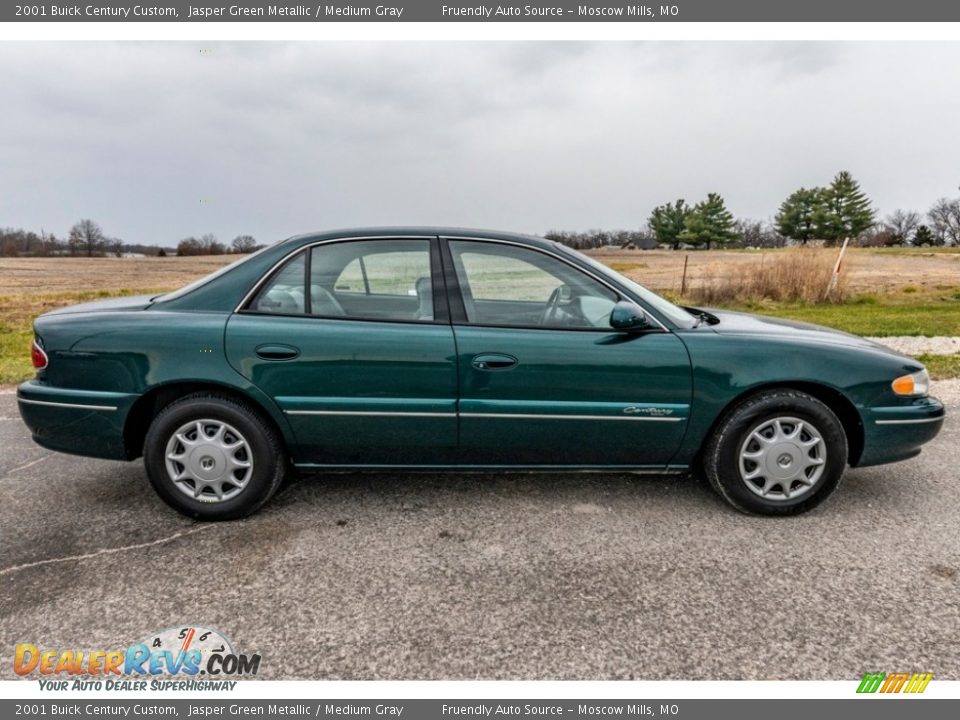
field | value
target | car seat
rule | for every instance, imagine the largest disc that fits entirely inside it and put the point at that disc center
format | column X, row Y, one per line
column 322, row 302
column 424, row 287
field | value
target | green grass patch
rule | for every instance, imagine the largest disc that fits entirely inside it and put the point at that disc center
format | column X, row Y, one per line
column 913, row 251
column 626, row 267
column 941, row 367
column 15, row 354
column 16, row 325
column 872, row 315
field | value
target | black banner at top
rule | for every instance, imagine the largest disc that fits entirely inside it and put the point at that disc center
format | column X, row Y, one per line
column 440, row 11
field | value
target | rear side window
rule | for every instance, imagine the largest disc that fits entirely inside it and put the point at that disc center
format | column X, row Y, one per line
column 360, row 279
column 283, row 294
column 385, row 273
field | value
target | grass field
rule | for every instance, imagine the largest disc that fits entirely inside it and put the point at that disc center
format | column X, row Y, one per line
column 877, row 316
column 888, row 292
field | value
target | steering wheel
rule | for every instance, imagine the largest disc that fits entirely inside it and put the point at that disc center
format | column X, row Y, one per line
column 549, row 315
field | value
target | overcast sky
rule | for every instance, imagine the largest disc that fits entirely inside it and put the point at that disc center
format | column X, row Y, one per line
column 159, row 141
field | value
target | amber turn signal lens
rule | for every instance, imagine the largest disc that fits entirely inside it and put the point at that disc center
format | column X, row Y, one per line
column 904, row 385
column 915, row 384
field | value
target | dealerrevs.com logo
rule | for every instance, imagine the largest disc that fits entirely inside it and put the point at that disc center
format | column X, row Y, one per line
column 187, row 651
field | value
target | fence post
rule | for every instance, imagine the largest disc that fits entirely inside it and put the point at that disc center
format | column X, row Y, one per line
column 836, row 267
column 683, row 281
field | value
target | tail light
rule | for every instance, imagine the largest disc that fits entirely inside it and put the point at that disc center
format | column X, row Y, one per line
column 38, row 356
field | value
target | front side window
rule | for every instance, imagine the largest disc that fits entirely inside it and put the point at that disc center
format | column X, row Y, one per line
column 515, row 286
column 358, row 279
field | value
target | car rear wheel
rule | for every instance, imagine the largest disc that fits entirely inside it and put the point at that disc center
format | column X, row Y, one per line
column 781, row 452
column 213, row 458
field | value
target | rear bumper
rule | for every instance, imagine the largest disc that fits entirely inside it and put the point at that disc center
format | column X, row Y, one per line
column 897, row 433
column 81, row 422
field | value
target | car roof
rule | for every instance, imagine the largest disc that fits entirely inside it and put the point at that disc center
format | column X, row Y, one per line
column 403, row 231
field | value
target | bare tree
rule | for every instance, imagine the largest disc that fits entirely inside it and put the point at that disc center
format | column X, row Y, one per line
column 188, row 246
column 944, row 219
column 212, row 246
column 86, row 238
column 903, row 225
column 759, row 234
column 206, row 245
column 244, row 244
column 879, row 235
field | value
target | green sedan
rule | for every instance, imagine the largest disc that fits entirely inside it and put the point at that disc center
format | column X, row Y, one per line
column 444, row 349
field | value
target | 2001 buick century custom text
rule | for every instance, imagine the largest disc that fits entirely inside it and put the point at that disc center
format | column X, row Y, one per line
column 427, row 348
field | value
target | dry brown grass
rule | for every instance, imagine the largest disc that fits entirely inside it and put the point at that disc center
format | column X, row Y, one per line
column 879, row 271
column 107, row 274
column 32, row 286
column 796, row 275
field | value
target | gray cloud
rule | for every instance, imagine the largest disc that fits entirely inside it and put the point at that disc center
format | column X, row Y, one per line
column 162, row 140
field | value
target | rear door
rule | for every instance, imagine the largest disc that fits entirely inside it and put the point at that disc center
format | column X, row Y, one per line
column 354, row 344
column 544, row 380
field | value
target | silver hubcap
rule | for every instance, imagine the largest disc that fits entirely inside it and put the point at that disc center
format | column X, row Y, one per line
column 782, row 459
column 209, row 461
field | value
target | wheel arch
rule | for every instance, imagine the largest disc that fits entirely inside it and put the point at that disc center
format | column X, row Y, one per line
column 834, row 399
column 145, row 409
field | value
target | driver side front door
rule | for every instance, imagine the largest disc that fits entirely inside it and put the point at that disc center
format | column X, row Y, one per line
column 544, row 380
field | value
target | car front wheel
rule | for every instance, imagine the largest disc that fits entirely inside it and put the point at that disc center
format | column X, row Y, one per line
column 781, row 452
column 212, row 457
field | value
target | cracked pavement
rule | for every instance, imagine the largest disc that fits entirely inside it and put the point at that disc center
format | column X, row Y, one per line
column 493, row 576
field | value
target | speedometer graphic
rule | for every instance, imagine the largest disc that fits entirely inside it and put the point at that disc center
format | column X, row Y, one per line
column 199, row 641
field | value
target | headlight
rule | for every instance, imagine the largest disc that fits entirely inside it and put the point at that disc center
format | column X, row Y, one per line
column 913, row 385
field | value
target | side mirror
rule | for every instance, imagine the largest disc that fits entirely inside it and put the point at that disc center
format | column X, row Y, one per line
column 629, row 317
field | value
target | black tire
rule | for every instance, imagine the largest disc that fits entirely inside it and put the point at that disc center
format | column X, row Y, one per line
column 264, row 447
column 721, row 458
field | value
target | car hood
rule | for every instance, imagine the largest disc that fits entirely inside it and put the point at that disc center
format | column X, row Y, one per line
column 736, row 323
column 119, row 304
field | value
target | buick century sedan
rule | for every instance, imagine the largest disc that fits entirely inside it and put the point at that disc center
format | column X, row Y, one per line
column 446, row 349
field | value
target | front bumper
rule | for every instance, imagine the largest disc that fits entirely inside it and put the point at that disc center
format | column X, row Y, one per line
column 81, row 422
column 898, row 432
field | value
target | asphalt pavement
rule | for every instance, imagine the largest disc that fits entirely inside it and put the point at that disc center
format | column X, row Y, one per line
column 493, row 576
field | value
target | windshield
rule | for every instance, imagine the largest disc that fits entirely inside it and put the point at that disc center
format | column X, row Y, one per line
column 206, row 278
column 675, row 314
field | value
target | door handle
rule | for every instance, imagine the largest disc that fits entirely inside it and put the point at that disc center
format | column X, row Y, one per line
column 277, row 352
column 494, row 361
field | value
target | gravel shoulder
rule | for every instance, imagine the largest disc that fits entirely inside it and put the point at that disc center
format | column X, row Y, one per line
column 920, row 345
column 947, row 391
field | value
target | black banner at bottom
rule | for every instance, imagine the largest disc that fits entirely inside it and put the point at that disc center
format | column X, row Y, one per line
column 872, row 707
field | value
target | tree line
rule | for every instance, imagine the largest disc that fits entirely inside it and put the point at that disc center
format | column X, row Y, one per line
column 87, row 239
column 829, row 214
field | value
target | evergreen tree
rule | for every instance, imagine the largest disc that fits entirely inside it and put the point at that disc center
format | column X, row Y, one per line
column 667, row 222
column 923, row 236
column 844, row 210
column 709, row 223
column 797, row 213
